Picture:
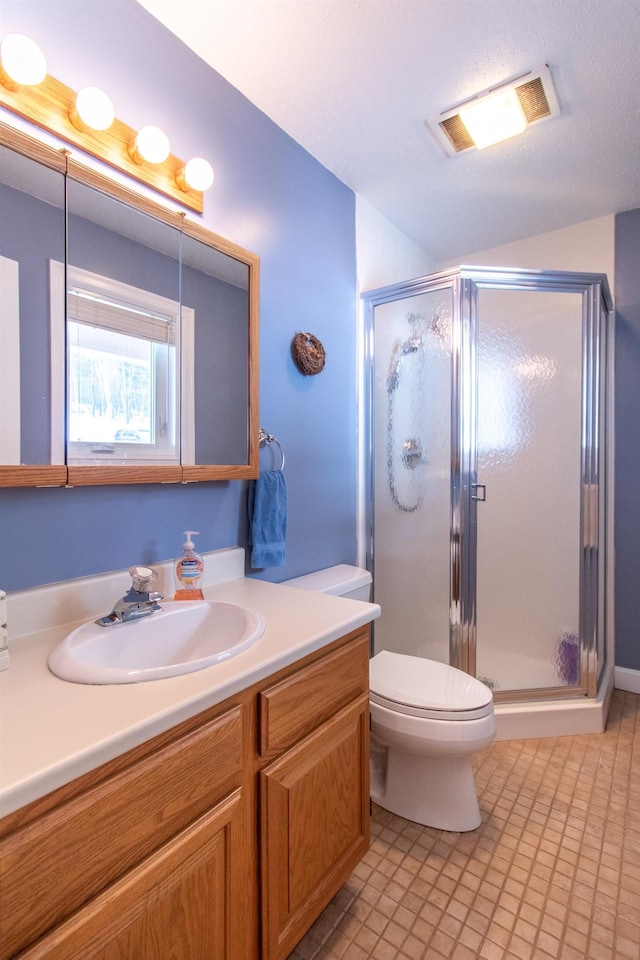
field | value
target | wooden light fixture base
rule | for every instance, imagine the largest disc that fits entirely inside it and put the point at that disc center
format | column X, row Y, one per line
column 49, row 105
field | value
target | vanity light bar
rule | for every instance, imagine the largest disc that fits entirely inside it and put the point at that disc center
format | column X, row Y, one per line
column 52, row 106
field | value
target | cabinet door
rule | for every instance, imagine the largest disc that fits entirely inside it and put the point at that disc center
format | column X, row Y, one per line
column 99, row 835
column 315, row 824
column 176, row 903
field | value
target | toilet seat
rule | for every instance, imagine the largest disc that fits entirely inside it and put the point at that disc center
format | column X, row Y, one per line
column 426, row 688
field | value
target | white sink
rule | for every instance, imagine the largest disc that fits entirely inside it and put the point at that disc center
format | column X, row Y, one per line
column 183, row 637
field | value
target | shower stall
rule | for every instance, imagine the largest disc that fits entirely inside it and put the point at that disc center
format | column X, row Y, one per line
column 489, row 520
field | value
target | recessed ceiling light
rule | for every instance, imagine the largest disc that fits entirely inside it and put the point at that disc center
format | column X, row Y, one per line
column 497, row 113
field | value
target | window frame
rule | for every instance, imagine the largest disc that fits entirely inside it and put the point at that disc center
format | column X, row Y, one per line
column 180, row 398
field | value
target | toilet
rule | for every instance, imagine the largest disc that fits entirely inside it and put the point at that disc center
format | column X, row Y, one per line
column 427, row 721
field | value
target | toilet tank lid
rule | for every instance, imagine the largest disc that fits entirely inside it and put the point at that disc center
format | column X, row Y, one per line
column 338, row 580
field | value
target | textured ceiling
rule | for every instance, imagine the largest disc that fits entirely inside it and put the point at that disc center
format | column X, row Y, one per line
column 353, row 81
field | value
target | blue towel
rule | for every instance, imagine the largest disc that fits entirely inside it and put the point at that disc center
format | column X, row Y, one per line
column 267, row 507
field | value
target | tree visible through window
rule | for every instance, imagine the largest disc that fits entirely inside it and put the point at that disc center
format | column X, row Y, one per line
column 110, row 386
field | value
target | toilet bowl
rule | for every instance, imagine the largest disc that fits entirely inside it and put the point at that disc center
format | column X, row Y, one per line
column 427, row 721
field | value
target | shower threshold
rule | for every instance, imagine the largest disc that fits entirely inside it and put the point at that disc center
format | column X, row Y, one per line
column 555, row 718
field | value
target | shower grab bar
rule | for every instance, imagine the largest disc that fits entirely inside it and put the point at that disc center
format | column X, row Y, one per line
column 265, row 439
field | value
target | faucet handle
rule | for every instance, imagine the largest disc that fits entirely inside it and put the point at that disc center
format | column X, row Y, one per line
column 142, row 578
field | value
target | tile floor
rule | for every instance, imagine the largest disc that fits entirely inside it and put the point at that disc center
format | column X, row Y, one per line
column 553, row 872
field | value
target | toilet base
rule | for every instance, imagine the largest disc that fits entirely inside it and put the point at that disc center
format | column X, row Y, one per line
column 437, row 792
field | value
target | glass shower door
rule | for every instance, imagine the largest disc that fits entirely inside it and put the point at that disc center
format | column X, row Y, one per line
column 412, row 469
column 527, row 501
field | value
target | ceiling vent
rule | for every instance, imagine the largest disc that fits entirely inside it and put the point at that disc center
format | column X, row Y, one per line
column 534, row 97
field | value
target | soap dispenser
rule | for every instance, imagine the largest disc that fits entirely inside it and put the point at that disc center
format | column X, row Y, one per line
column 189, row 570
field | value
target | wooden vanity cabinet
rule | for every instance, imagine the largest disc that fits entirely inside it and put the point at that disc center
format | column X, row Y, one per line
column 314, row 797
column 149, row 852
column 250, row 815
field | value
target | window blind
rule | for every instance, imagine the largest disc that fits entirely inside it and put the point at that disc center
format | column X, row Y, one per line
column 94, row 311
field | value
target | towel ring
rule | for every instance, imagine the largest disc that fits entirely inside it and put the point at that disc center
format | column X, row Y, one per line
column 267, row 438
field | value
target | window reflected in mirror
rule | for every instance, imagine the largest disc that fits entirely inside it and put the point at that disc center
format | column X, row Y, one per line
column 123, row 338
column 123, row 390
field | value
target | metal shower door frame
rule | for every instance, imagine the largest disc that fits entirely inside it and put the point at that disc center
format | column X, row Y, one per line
column 596, row 301
column 465, row 283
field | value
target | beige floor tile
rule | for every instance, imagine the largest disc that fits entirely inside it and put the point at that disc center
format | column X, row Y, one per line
column 552, row 873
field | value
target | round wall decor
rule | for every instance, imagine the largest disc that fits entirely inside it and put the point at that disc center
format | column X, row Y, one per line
column 308, row 354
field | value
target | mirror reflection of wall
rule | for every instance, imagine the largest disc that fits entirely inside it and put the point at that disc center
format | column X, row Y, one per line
column 216, row 287
column 31, row 234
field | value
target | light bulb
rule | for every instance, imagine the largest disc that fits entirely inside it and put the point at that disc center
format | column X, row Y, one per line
column 93, row 110
column 23, row 63
column 151, row 144
column 197, row 174
column 494, row 118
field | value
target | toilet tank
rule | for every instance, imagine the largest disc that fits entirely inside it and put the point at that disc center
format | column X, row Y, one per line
column 342, row 580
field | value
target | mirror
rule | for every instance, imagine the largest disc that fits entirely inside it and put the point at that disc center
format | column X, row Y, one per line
column 215, row 290
column 32, row 234
column 123, row 337
column 136, row 357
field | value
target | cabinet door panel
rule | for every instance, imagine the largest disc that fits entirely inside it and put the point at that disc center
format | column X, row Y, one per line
column 315, row 824
column 93, row 839
column 174, row 904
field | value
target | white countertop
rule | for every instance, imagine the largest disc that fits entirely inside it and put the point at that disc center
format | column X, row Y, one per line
column 52, row 731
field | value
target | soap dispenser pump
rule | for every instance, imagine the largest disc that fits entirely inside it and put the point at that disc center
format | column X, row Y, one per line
column 189, row 570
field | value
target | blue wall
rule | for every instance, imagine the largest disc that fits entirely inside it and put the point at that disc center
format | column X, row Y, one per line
column 627, row 530
column 269, row 196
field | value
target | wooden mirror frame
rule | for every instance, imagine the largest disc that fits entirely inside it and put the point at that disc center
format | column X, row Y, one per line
column 46, row 475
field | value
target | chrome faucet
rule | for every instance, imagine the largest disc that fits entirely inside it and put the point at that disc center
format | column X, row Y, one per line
column 138, row 602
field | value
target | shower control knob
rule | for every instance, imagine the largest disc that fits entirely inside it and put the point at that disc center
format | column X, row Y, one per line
column 412, row 453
